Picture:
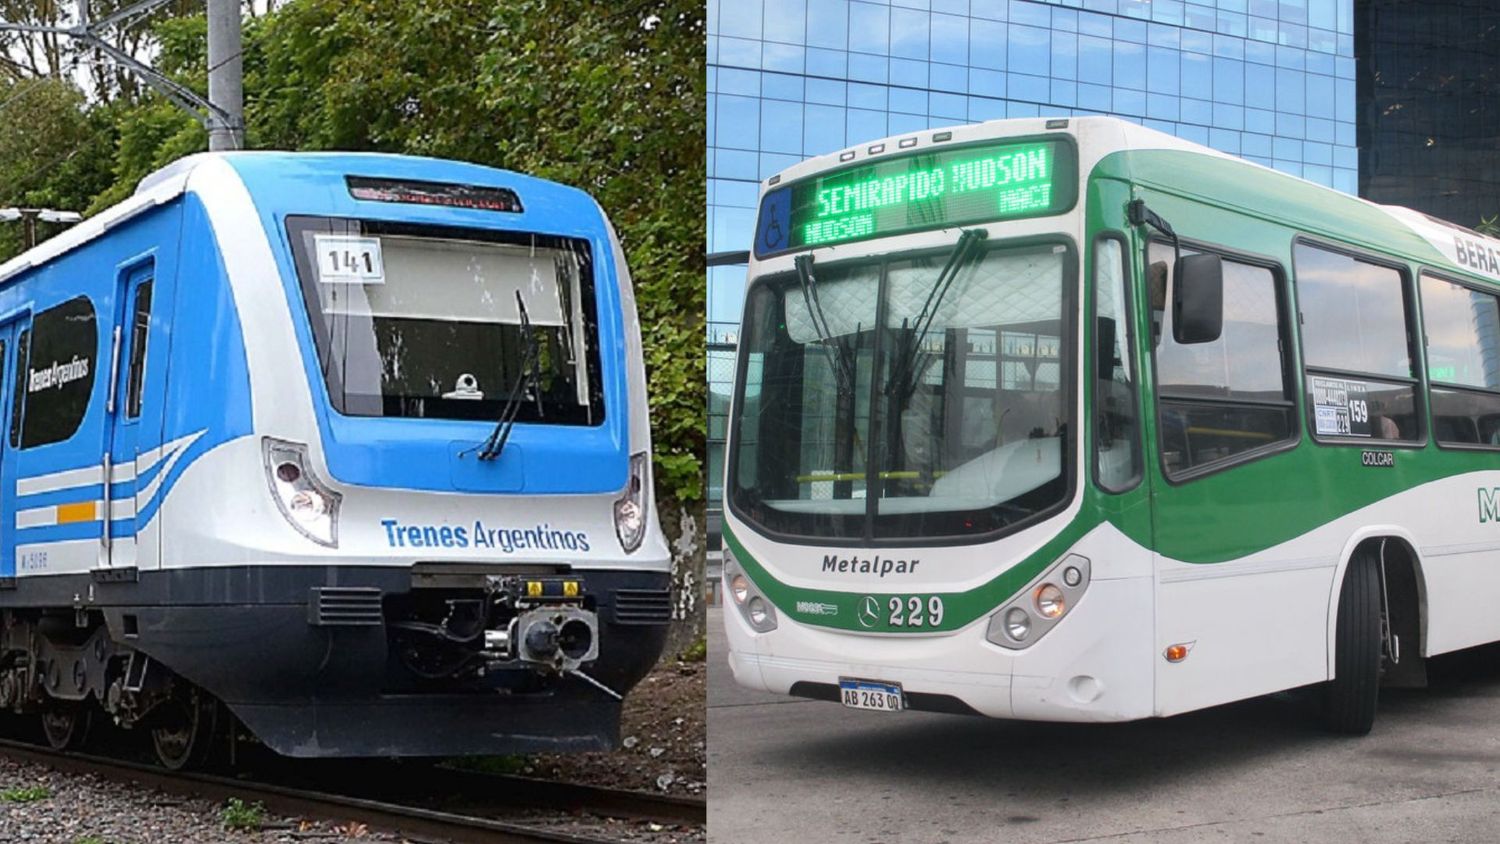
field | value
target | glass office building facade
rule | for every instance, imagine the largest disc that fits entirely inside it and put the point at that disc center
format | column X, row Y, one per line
column 1270, row 80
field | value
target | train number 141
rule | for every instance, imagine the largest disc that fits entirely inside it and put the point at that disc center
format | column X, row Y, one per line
column 913, row 611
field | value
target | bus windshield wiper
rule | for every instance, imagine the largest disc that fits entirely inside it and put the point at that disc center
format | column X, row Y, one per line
column 904, row 371
column 837, row 359
column 529, row 378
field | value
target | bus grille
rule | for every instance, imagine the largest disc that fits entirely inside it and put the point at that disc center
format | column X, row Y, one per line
column 643, row 606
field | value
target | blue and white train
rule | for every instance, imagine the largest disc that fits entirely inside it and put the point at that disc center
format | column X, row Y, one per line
column 352, row 450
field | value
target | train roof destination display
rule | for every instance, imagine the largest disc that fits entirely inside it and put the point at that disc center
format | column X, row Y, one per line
column 926, row 190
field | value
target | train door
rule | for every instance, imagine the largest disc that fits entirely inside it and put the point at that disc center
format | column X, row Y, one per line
column 127, row 377
column 10, row 351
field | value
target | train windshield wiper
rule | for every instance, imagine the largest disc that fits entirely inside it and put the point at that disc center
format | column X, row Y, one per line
column 837, row 359
column 529, row 378
column 905, row 369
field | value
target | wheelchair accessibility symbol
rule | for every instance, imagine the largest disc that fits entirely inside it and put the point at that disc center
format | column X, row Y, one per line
column 774, row 232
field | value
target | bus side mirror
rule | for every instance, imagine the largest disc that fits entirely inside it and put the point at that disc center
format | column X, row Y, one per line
column 1104, row 339
column 1198, row 299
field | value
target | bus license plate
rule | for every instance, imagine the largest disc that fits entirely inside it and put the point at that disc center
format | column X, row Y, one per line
column 870, row 694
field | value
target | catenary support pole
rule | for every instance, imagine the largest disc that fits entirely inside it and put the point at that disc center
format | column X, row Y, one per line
column 225, row 76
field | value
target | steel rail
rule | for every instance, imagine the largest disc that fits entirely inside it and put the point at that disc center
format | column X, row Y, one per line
column 424, row 824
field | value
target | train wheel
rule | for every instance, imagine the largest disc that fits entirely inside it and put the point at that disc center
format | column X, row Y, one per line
column 65, row 724
column 186, row 731
column 1349, row 698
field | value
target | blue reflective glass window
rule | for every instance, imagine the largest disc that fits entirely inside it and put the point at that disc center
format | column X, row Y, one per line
column 1260, row 86
column 950, row 39
column 1130, row 65
column 1322, row 40
column 1164, row 36
column 1015, row 109
column 736, row 81
column 1232, row 23
column 1167, row 126
column 1129, row 102
column 1064, row 93
column 1320, row 99
column 780, row 126
column 1224, row 140
column 822, row 129
column 1317, row 153
column 869, row 28
column 903, row 124
column 1320, row 130
column 825, row 91
column 1260, row 53
column 1229, row 116
column 1344, row 134
column 1346, row 17
column 1064, row 55
column 909, row 72
column 1252, row 144
column 1197, row 42
column 782, row 86
column 1261, row 160
column 1321, row 63
column 1343, row 98
column 738, row 52
column 1293, row 35
column 910, row 33
column 1229, row 47
column 1263, row 8
column 1095, row 97
column 867, row 96
column 866, row 125
column 987, row 44
column 1196, row 134
column 738, row 121
column 1200, row 112
column 1135, row 8
column 785, row 20
column 950, row 106
column 1291, row 91
column 1096, row 25
column 1290, row 125
column 1030, row 14
column 1161, row 106
column 772, row 163
column 1064, row 20
column 988, row 83
column 984, row 108
column 908, row 100
column 1095, row 60
column 992, row 9
column 1028, row 47
column 1293, row 10
column 1318, row 173
column 735, row 164
column 1108, row 7
column 827, row 25
column 867, row 68
column 1127, row 29
column 1023, row 86
column 1259, row 120
column 948, row 77
column 740, row 20
column 1343, row 67
column 1229, row 81
column 1346, row 45
column 1197, row 76
column 1291, row 168
column 791, row 58
column 1290, row 57
column 1167, row 12
column 1162, row 70
column 834, row 63
column 1197, row 17
column 1346, row 180
column 1288, row 148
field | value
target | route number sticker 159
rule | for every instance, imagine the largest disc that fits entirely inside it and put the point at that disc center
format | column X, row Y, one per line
column 345, row 259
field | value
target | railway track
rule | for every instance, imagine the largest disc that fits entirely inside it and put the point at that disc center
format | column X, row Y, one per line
column 473, row 824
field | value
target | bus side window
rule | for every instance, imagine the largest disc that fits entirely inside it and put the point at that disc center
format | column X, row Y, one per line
column 18, row 396
column 1463, row 365
column 1357, row 347
column 140, row 328
column 1117, row 457
column 1224, row 400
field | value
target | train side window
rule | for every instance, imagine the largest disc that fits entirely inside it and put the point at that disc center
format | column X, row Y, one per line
column 1230, row 399
column 1463, row 364
column 60, row 373
column 1356, row 345
column 140, row 329
column 18, row 391
column 1117, row 453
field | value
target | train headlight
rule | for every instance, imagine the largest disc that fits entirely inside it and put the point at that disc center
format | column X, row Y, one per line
column 1039, row 607
column 752, row 605
column 630, row 507
column 306, row 502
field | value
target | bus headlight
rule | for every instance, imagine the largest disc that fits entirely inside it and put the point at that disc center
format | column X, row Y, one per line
column 1044, row 602
column 304, row 500
column 630, row 507
column 752, row 605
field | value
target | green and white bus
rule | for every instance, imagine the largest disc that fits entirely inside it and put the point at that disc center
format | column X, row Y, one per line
column 1072, row 420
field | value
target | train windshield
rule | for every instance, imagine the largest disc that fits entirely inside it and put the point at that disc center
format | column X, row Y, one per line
column 425, row 322
column 905, row 396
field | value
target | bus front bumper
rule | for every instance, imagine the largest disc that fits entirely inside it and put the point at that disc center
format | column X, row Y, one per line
column 1097, row 664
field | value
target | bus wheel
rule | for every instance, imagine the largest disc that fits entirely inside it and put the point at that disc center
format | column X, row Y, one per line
column 1349, row 698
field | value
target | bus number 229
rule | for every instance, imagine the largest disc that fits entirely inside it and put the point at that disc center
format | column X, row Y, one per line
column 908, row 611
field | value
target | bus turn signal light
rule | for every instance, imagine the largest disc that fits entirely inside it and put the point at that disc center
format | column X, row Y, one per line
column 1177, row 653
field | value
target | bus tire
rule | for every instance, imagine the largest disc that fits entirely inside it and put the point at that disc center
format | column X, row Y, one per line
column 1349, row 698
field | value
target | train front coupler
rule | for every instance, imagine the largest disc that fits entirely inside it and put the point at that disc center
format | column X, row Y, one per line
column 549, row 630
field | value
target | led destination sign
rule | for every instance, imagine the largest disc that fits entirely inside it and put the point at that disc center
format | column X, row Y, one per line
column 928, row 190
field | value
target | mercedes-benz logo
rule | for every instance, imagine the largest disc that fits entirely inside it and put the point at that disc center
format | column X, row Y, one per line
column 869, row 611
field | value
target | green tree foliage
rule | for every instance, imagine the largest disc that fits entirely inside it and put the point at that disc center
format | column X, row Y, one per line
column 606, row 97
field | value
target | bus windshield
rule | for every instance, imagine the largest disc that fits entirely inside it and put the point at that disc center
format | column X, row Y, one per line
column 418, row 321
column 884, row 401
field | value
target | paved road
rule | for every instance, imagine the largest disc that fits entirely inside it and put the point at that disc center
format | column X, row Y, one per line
column 785, row 771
